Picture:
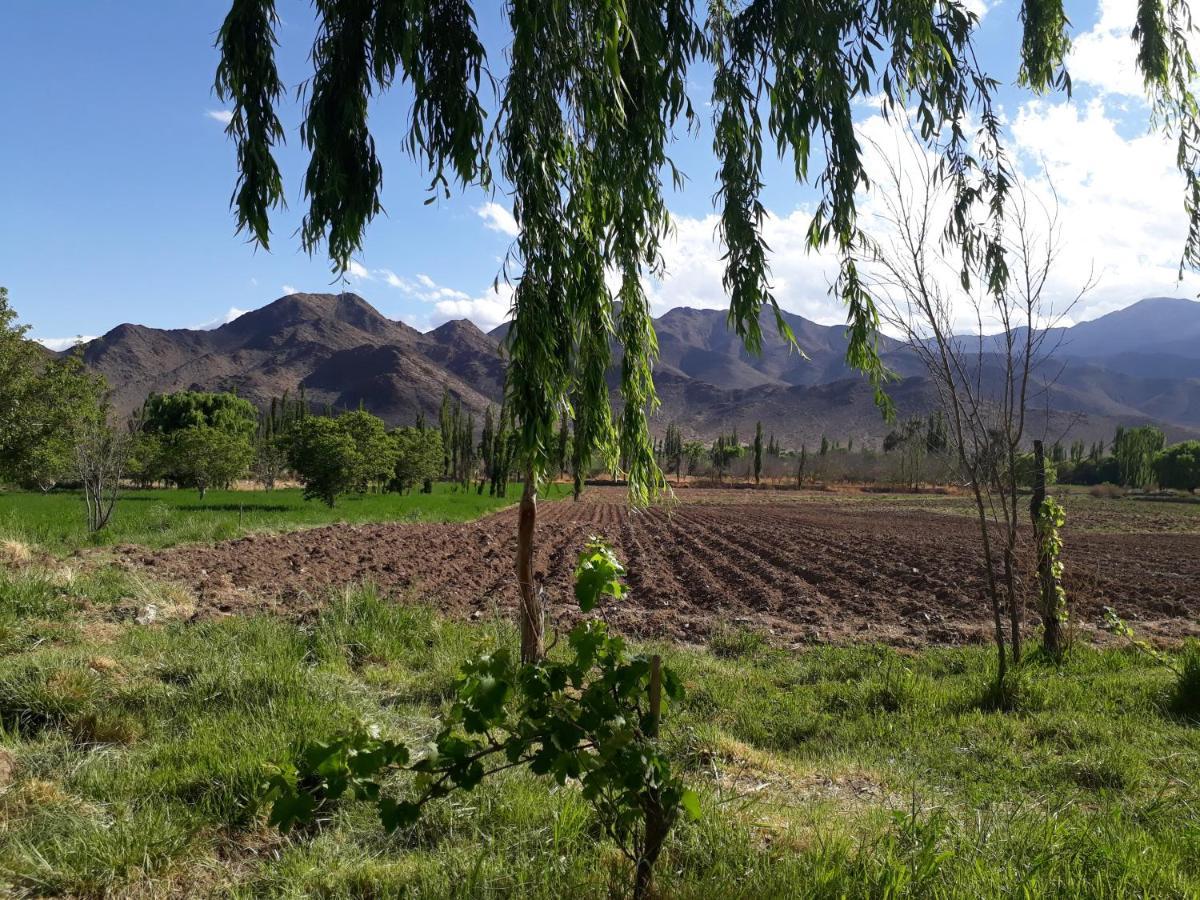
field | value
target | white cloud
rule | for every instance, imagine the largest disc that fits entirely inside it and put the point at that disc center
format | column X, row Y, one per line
column 229, row 316
column 488, row 310
column 498, row 218
column 359, row 271
column 60, row 344
column 1120, row 209
column 694, row 268
column 1121, row 202
column 394, row 280
column 288, row 290
column 1120, row 205
column 1105, row 57
column 224, row 116
column 979, row 7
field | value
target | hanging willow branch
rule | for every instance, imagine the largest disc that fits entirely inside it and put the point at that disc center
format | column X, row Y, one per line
column 594, row 93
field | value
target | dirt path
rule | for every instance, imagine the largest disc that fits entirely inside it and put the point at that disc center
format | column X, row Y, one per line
column 807, row 571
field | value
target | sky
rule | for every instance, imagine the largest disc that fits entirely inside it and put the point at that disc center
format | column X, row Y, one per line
column 115, row 179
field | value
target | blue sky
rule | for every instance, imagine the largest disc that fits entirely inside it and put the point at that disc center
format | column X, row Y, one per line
column 115, row 178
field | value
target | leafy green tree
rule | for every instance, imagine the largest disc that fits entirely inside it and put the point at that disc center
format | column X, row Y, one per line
column 1134, row 450
column 591, row 98
column 18, row 365
column 168, row 413
column 694, row 452
column 375, row 451
column 446, row 423
column 42, row 401
column 418, row 456
column 61, row 394
column 270, row 449
column 324, row 457
column 465, row 451
column 207, row 456
column 165, row 416
column 937, row 434
column 1178, row 466
column 1090, row 471
column 725, row 449
column 673, row 449
column 487, row 439
column 147, row 462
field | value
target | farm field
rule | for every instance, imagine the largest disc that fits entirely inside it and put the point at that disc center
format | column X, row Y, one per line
column 161, row 518
column 806, row 567
column 831, row 759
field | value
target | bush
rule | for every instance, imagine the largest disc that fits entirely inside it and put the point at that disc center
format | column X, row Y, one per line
column 1106, row 491
column 1185, row 696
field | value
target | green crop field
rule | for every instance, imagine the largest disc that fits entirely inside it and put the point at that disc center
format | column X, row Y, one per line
column 161, row 518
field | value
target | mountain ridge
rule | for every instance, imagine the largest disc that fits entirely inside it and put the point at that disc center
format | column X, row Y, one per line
column 344, row 352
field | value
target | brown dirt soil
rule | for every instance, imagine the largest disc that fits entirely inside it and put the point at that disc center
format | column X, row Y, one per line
column 804, row 571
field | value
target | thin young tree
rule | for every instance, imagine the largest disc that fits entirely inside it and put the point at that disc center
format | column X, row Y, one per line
column 582, row 122
column 101, row 453
column 985, row 385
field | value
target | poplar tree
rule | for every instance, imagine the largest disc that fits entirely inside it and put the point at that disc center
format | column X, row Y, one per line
column 758, row 452
column 594, row 92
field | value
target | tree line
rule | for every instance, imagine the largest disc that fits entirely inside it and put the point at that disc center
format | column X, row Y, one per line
column 57, row 427
column 201, row 440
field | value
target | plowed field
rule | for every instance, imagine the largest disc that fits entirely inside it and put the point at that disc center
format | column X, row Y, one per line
column 808, row 571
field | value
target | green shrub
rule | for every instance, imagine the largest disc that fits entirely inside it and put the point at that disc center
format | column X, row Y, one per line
column 1185, row 695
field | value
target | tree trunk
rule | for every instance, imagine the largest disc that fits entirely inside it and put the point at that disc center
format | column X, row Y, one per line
column 1052, row 638
column 993, row 588
column 533, row 623
column 1010, row 588
column 652, row 808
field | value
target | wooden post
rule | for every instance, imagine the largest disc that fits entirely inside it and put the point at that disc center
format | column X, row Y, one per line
column 655, row 695
column 533, row 618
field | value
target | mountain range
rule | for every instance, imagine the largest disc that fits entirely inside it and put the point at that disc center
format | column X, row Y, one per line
column 1138, row 365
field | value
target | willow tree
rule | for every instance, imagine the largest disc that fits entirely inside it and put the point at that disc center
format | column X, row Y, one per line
column 577, row 132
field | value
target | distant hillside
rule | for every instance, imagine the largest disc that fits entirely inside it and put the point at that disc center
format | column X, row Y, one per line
column 337, row 346
column 1113, row 370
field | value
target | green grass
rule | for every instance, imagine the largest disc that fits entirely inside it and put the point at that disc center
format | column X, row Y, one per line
column 161, row 518
column 135, row 755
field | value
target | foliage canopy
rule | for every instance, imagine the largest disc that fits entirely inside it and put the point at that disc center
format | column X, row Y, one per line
column 583, row 120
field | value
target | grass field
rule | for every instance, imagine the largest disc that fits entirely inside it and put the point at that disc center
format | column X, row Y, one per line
column 131, row 755
column 163, row 518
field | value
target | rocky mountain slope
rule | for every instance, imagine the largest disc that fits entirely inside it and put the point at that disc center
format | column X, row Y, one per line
column 1141, row 364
